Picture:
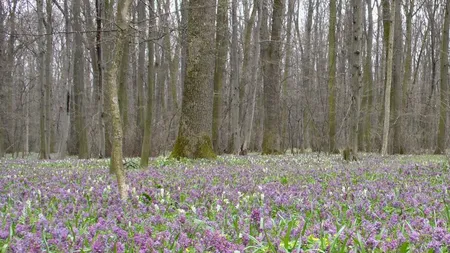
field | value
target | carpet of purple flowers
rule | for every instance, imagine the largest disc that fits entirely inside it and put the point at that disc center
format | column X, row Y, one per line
column 235, row 204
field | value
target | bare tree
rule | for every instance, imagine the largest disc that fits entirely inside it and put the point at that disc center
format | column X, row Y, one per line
column 271, row 136
column 441, row 138
column 111, row 92
column 220, row 61
column 194, row 135
column 387, row 92
column 332, row 78
column 146, row 142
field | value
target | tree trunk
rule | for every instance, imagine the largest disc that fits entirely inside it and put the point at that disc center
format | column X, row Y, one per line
column 43, row 152
column 389, row 59
column 2, row 70
column 396, row 95
column 141, row 69
column 332, row 78
column 441, row 138
column 194, row 135
column 286, row 77
column 368, row 81
column 49, row 77
column 235, row 141
column 271, row 70
column 112, row 96
column 245, row 108
column 220, row 61
column 65, row 106
column 78, row 82
column 146, row 142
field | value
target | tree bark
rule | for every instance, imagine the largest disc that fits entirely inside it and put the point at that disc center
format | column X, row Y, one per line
column 78, row 82
column 235, row 141
column 43, row 152
column 332, row 78
column 396, row 95
column 146, row 142
column 271, row 69
column 194, row 135
column 389, row 59
column 220, row 61
column 368, row 81
column 122, row 20
column 441, row 138
column 356, row 76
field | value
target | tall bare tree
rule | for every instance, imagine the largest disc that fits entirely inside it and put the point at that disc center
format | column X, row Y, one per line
column 78, row 83
column 332, row 78
column 220, row 61
column 272, row 84
column 146, row 142
column 387, row 91
column 111, row 92
column 441, row 138
column 235, row 142
column 194, row 135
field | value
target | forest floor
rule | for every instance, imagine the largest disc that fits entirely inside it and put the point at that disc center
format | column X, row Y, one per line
column 233, row 204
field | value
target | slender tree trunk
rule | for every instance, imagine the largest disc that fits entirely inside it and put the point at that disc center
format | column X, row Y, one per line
column 43, row 154
column 146, row 142
column 387, row 94
column 245, row 104
column 356, row 76
column 194, row 135
column 286, row 77
column 99, row 86
column 332, row 79
column 441, row 138
column 141, row 69
column 220, row 61
column 49, row 76
column 368, row 80
column 2, row 70
column 396, row 95
column 65, row 106
column 271, row 69
column 235, row 141
column 306, row 67
column 112, row 97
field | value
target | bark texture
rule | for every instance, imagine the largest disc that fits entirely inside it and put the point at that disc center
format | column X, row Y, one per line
column 271, row 69
column 194, row 135
column 112, row 97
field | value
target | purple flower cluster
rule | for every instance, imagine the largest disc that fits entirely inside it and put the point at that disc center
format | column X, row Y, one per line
column 236, row 204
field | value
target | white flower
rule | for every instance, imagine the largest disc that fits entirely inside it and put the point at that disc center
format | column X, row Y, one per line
column 218, row 207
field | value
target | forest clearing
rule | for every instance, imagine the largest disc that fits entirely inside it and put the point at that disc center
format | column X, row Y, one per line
column 233, row 204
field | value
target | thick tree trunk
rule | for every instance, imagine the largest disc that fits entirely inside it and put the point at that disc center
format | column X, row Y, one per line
column 271, row 69
column 441, row 138
column 332, row 79
column 220, row 61
column 78, row 82
column 389, row 59
column 146, row 142
column 194, row 135
column 111, row 93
